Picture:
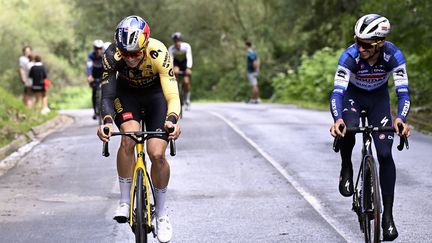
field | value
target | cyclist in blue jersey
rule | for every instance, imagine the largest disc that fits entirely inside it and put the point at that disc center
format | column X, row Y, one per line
column 361, row 82
column 95, row 70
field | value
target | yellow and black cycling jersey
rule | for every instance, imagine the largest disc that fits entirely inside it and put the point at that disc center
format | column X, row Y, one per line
column 153, row 74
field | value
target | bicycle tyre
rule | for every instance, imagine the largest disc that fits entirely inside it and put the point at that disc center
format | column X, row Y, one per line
column 140, row 228
column 367, row 203
column 373, row 200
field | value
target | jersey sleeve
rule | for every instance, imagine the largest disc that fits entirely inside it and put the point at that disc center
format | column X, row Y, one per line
column 109, row 83
column 189, row 56
column 400, row 78
column 89, row 64
column 163, row 65
column 341, row 81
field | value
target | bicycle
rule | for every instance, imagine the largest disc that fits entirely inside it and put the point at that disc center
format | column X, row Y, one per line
column 367, row 198
column 98, row 98
column 142, row 207
column 183, row 101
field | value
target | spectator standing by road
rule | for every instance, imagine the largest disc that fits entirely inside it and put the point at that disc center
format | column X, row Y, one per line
column 24, row 76
column 38, row 74
column 253, row 65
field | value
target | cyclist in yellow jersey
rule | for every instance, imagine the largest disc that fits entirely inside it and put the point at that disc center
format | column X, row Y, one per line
column 137, row 77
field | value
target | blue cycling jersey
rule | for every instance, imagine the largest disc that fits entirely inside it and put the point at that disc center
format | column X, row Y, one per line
column 94, row 65
column 354, row 72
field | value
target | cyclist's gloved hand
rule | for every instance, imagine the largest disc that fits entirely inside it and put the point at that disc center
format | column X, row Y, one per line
column 176, row 133
column 107, row 126
column 334, row 130
column 405, row 132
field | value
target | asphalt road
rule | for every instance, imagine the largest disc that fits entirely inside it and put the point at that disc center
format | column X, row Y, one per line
column 243, row 173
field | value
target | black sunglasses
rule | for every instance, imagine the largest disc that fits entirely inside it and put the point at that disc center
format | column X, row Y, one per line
column 365, row 45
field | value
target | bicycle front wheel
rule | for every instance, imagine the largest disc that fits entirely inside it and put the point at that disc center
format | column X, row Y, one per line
column 140, row 228
column 372, row 202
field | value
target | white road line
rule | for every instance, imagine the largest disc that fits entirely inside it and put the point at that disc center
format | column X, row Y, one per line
column 313, row 201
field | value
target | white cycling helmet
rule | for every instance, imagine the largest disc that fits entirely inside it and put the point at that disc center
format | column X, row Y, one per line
column 177, row 36
column 372, row 26
column 98, row 44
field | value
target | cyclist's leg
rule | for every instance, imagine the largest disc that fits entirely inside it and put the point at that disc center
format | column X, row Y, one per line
column 155, row 110
column 127, row 119
column 186, row 88
column 379, row 115
column 350, row 115
column 94, row 90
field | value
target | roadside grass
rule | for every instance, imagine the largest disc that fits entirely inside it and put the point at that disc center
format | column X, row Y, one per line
column 16, row 119
column 71, row 97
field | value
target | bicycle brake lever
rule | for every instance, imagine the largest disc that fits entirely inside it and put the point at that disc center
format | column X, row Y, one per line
column 336, row 142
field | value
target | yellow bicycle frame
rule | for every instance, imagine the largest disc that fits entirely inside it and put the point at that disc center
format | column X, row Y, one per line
column 139, row 164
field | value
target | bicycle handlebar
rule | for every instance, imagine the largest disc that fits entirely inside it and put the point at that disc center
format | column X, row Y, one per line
column 142, row 134
column 369, row 129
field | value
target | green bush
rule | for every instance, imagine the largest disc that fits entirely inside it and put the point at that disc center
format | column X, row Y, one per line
column 313, row 82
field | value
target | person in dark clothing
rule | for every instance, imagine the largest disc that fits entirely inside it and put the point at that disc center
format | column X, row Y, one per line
column 38, row 74
column 94, row 72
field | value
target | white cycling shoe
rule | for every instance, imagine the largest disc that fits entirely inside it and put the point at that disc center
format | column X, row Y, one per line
column 122, row 213
column 164, row 229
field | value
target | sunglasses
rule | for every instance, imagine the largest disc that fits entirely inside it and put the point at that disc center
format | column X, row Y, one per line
column 365, row 45
column 131, row 54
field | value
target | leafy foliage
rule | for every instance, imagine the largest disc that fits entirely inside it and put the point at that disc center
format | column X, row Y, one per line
column 287, row 34
column 15, row 118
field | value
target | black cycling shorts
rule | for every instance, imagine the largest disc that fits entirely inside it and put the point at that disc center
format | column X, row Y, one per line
column 182, row 65
column 130, row 102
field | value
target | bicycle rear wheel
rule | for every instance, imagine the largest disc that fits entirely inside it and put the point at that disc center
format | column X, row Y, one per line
column 372, row 202
column 140, row 227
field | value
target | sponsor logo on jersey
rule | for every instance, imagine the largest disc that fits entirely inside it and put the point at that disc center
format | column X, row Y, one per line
column 341, row 73
column 127, row 115
column 387, row 57
column 117, row 105
column 406, row 108
column 154, row 54
column 166, row 60
column 171, row 73
column 333, row 105
column 384, row 121
column 400, row 72
column 117, row 55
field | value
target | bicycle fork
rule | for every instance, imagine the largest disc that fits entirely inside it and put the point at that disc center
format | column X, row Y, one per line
column 140, row 165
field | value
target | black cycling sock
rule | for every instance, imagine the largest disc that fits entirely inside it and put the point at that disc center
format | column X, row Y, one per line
column 388, row 206
column 347, row 145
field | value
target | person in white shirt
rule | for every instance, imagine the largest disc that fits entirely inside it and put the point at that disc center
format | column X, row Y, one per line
column 23, row 70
